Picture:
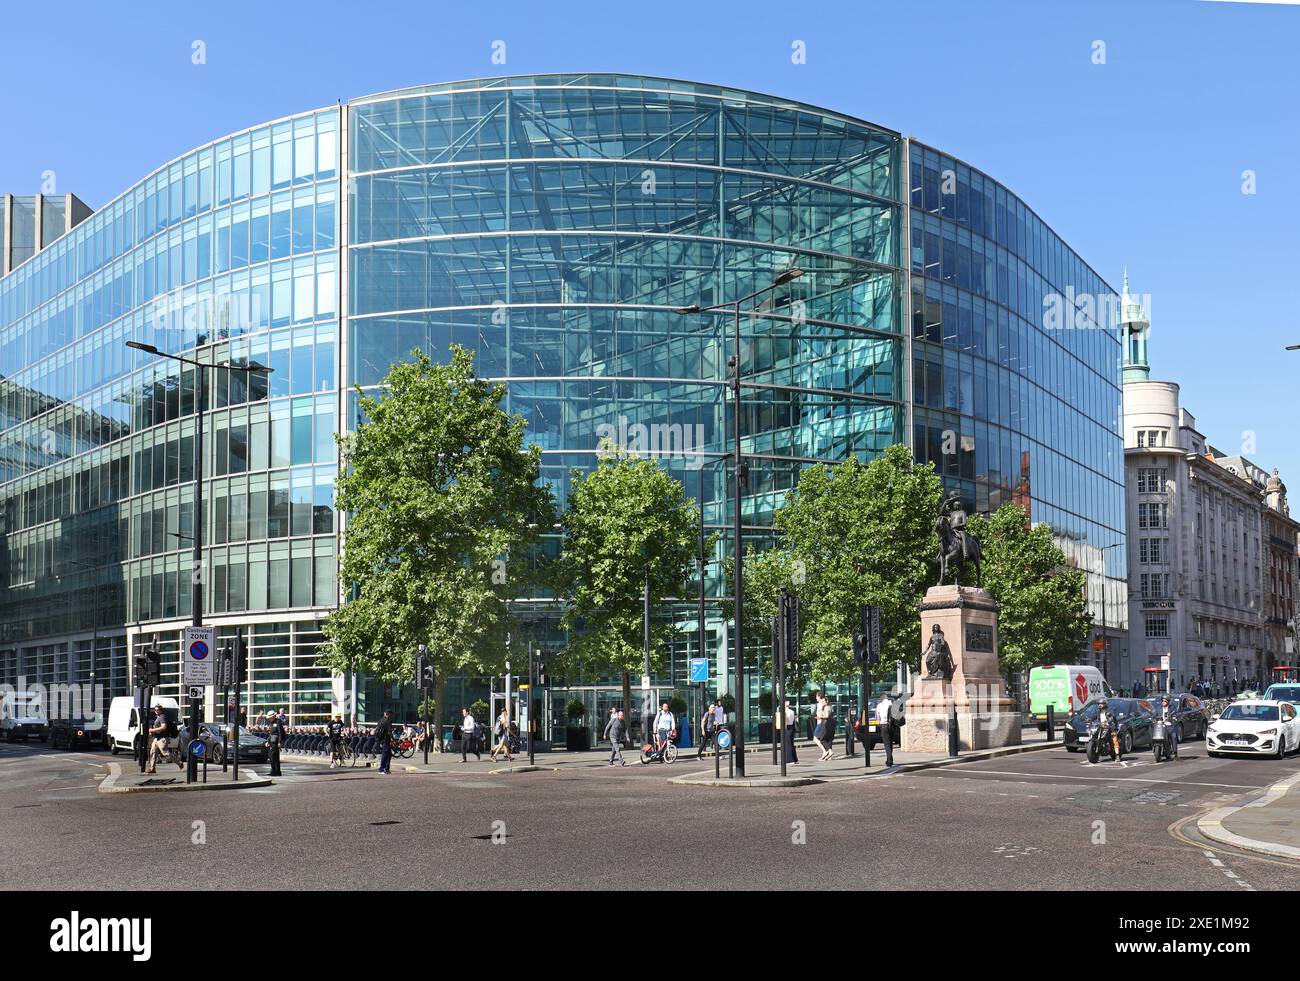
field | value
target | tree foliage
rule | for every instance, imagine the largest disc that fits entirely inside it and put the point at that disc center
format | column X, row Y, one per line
column 623, row 517
column 851, row 534
column 443, row 506
column 1044, row 614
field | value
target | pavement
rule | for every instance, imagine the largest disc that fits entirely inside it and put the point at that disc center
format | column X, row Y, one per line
column 690, row 769
column 128, row 778
column 1268, row 823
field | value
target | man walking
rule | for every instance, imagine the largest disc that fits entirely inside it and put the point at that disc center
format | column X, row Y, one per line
column 159, row 732
column 469, row 736
column 706, row 730
column 275, row 740
column 384, row 734
column 613, row 714
column 617, row 732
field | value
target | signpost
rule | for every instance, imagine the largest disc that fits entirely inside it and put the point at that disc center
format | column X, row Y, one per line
column 866, row 652
column 198, row 663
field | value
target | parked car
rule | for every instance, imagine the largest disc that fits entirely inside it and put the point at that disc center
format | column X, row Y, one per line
column 1255, row 728
column 1134, row 716
column 72, row 733
column 252, row 747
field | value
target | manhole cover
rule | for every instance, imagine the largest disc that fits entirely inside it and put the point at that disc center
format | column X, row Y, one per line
column 157, row 782
column 380, row 824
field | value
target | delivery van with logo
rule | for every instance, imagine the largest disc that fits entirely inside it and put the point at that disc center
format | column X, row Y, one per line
column 1066, row 687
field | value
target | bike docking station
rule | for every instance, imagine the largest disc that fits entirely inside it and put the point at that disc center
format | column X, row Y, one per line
column 960, row 701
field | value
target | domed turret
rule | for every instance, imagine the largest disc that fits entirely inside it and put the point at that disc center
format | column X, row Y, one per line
column 1135, row 324
column 1275, row 493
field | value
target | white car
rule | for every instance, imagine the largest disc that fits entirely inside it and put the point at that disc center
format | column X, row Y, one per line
column 1255, row 727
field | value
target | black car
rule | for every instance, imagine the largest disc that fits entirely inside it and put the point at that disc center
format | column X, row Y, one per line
column 74, row 733
column 1134, row 717
column 1188, row 713
column 252, row 748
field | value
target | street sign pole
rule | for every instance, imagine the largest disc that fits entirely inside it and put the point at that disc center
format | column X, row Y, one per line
column 532, row 684
column 237, row 667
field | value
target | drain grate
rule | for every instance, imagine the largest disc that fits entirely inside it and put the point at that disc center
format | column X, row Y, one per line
column 158, row 782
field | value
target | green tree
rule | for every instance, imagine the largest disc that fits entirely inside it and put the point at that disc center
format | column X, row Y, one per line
column 443, row 505
column 861, row 533
column 1044, row 615
column 625, row 517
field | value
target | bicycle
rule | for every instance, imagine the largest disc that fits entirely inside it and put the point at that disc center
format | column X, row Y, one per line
column 665, row 752
column 402, row 748
column 342, row 753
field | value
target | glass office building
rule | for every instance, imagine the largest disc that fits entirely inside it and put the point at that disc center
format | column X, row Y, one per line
column 553, row 225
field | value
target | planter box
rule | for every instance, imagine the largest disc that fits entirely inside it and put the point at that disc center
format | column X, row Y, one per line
column 576, row 739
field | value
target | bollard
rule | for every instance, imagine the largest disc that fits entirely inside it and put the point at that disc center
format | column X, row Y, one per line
column 850, row 748
column 952, row 732
column 889, row 738
column 1051, row 722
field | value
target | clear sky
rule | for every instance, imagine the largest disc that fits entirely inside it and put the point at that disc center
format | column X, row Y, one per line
column 1136, row 161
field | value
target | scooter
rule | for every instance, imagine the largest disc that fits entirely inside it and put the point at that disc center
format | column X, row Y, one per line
column 1162, row 740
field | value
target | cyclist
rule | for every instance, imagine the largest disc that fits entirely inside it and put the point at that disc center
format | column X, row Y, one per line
column 334, row 733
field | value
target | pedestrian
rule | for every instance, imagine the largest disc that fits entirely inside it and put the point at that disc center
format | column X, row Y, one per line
column 274, row 741
column 820, row 731
column 791, row 719
column 502, row 736
column 706, row 730
column 469, row 736
column 160, row 730
column 885, row 724
column 617, row 731
column 665, row 727
column 719, row 720
column 384, row 736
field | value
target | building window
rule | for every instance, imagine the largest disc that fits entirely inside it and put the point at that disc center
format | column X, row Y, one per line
column 1151, row 480
column 1157, row 627
column 1153, row 550
column 1153, row 515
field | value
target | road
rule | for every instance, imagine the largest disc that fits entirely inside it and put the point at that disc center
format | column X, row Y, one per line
column 1042, row 820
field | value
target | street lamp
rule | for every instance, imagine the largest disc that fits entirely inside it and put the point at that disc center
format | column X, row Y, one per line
column 200, row 402
column 740, row 477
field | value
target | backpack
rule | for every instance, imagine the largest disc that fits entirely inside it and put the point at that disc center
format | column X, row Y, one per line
column 172, row 731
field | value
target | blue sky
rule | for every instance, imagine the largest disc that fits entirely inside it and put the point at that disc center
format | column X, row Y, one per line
column 1137, row 161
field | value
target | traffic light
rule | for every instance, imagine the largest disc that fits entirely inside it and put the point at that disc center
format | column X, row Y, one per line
column 239, row 661
column 225, row 666
column 866, row 641
column 148, row 667
column 542, row 679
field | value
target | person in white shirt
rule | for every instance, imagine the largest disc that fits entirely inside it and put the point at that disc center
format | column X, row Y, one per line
column 665, row 727
column 791, row 718
column 469, row 736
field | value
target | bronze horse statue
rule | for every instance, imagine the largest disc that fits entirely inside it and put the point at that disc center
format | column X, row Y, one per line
column 957, row 549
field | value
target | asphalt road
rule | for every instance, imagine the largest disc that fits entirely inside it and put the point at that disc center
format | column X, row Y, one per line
column 1042, row 820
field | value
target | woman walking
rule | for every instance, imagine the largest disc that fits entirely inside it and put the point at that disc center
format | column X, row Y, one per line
column 822, row 730
column 502, row 734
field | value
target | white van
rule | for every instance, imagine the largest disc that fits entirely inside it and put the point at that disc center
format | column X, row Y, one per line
column 1066, row 687
column 124, row 719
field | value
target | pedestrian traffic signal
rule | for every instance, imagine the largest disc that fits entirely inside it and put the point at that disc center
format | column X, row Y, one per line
column 148, row 667
column 866, row 641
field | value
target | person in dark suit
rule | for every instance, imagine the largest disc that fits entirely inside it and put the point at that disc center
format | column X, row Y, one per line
column 384, row 736
column 276, row 740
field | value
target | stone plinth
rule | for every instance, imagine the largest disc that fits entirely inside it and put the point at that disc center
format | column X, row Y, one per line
column 986, row 716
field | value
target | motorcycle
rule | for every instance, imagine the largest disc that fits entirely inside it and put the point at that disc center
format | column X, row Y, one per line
column 1162, row 740
column 1104, row 740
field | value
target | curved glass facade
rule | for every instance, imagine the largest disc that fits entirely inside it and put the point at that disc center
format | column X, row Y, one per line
column 553, row 225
